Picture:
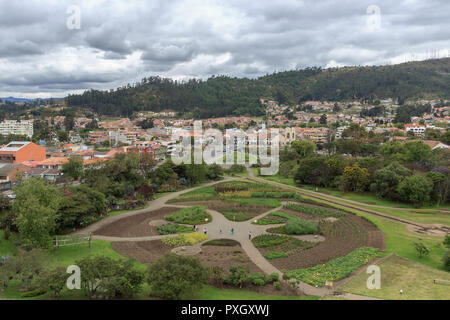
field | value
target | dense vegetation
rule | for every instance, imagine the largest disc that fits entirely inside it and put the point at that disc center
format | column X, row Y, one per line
column 409, row 172
column 42, row 210
column 222, row 95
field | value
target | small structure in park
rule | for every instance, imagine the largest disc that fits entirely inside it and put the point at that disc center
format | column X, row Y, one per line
column 329, row 284
column 72, row 240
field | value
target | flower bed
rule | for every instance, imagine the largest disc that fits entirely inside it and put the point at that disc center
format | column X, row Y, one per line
column 336, row 269
column 185, row 239
column 191, row 215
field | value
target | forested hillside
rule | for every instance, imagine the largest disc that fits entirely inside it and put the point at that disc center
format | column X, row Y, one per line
column 222, row 95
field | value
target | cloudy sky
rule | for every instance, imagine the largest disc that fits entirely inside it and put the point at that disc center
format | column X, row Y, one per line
column 45, row 50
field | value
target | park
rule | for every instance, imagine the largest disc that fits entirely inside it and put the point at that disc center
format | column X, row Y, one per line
column 240, row 236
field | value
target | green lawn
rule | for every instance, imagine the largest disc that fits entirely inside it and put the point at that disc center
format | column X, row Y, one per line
column 400, row 241
column 415, row 279
column 288, row 181
column 370, row 199
column 427, row 216
column 213, row 293
column 6, row 246
column 272, row 203
column 68, row 255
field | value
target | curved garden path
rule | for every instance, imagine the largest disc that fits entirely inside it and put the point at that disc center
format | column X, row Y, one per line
column 219, row 228
column 440, row 230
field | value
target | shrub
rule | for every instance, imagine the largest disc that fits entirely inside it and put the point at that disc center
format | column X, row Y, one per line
column 273, row 277
column 277, row 195
column 421, row 249
column 173, row 276
column 447, row 241
column 259, row 282
column 298, row 227
column 172, row 228
column 191, row 215
column 415, row 189
column 238, row 276
column 446, row 260
column 53, row 281
column 312, row 210
column 33, row 293
column 108, row 277
column 258, row 279
column 222, row 242
column 277, row 285
column 184, row 239
column 276, row 255
column 335, row 269
column 269, row 240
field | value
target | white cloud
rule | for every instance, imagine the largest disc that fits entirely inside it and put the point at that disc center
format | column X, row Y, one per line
column 121, row 41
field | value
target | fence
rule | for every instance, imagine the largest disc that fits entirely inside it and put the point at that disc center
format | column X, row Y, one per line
column 72, row 240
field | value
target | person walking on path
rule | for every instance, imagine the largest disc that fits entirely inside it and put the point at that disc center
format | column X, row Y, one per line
column 232, row 231
column 249, row 235
column 204, row 231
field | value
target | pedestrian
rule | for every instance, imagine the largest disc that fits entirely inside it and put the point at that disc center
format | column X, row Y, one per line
column 232, row 231
column 249, row 235
column 204, row 230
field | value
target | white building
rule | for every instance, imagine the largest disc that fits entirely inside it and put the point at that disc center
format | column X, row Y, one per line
column 415, row 128
column 24, row 127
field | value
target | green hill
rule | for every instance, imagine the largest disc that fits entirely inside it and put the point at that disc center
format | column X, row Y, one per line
column 222, row 95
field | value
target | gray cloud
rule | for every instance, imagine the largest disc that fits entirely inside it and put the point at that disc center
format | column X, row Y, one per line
column 121, row 41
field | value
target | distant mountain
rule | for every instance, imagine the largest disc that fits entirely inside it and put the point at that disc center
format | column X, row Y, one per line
column 222, row 95
column 13, row 99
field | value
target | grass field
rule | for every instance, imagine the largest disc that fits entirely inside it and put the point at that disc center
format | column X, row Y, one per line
column 68, row 255
column 370, row 199
column 213, row 293
column 6, row 246
column 415, row 279
column 401, row 242
column 423, row 215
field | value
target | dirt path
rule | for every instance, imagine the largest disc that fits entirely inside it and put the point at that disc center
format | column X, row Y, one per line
column 427, row 229
column 152, row 206
column 219, row 228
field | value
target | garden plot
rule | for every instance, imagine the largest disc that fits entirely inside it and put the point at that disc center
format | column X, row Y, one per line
column 137, row 225
column 146, row 252
column 342, row 237
column 278, row 247
column 226, row 256
column 238, row 200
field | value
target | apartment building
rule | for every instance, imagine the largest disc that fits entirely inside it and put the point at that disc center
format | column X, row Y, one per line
column 21, row 151
column 98, row 137
column 24, row 127
column 415, row 128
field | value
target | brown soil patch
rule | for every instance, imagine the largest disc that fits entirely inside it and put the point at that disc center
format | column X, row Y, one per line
column 302, row 215
column 250, row 210
column 226, row 257
column 137, row 225
column 341, row 237
column 437, row 230
column 146, row 252
column 285, row 289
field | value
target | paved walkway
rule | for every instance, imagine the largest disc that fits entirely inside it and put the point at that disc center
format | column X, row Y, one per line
column 219, row 228
column 360, row 206
column 152, row 206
